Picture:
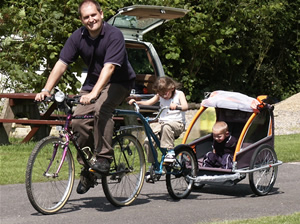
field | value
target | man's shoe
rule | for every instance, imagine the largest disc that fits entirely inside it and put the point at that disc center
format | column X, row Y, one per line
column 101, row 165
column 87, row 180
column 148, row 178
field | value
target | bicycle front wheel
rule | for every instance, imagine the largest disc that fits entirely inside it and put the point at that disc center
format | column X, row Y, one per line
column 127, row 171
column 49, row 190
column 178, row 184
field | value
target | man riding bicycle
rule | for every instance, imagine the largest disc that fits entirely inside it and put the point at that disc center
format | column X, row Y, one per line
column 109, row 81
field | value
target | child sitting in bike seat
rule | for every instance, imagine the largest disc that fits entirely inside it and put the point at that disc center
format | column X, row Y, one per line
column 171, row 122
column 223, row 147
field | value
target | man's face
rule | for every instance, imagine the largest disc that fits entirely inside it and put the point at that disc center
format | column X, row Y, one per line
column 91, row 18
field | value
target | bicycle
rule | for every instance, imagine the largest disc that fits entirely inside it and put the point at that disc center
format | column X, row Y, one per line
column 178, row 174
column 50, row 170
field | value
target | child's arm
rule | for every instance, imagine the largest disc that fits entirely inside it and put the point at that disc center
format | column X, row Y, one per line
column 149, row 102
column 183, row 102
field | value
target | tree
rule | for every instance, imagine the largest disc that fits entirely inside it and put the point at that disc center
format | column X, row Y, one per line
column 247, row 46
column 33, row 33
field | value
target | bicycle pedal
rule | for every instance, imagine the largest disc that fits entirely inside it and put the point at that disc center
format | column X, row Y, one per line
column 168, row 164
column 92, row 171
column 98, row 175
column 149, row 179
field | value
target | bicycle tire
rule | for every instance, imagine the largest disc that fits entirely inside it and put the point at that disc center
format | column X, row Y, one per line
column 178, row 185
column 262, row 181
column 125, row 181
column 47, row 192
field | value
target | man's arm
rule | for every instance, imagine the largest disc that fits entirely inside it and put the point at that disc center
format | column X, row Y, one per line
column 53, row 79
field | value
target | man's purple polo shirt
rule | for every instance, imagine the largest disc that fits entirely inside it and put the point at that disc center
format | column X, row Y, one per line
column 108, row 47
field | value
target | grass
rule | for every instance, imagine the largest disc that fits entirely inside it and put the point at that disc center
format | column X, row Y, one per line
column 287, row 147
column 280, row 219
column 14, row 157
column 13, row 161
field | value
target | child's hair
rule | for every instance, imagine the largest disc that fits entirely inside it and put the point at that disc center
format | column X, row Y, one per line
column 164, row 84
column 220, row 126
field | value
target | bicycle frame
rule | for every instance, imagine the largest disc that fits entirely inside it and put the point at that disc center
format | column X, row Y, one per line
column 145, row 121
column 150, row 135
column 69, row 136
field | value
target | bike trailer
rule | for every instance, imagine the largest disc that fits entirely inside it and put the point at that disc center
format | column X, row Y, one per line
column 251, row 121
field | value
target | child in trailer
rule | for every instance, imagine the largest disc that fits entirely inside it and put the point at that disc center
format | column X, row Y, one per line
column 223, row 147
column 171, row 122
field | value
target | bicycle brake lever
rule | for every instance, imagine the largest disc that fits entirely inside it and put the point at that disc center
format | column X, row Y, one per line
column 137, row 108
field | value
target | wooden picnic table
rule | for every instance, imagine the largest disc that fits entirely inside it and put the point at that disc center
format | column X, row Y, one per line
column 19, row 106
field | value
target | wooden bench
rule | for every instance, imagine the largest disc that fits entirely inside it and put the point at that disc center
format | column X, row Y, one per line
column 19, row 106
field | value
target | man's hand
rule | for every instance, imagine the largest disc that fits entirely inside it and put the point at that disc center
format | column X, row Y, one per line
column 131, row 101
column 42, row 95
column 86, row 99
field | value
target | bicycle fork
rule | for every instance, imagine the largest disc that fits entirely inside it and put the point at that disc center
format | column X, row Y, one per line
column 55, row 150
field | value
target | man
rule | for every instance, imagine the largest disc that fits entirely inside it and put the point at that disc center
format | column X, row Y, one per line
column 109, row 81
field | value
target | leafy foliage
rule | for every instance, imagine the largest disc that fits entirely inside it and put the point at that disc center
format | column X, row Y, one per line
column 35, row 32
column 248, row 46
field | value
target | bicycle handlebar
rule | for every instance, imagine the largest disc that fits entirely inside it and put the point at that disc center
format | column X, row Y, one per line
column 61, row 97
column 64, row 101
column 137, row 109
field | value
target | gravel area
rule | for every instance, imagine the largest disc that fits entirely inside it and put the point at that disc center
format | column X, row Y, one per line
column 287, row 116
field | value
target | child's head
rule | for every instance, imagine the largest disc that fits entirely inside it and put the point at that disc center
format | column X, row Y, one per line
column 220, row 131
column 165, row 87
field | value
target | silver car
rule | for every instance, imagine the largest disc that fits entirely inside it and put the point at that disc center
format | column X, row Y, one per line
column 135, row 21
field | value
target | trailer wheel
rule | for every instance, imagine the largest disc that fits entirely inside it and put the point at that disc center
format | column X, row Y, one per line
column 263, row 180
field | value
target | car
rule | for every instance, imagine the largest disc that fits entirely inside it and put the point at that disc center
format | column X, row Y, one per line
column 134, row 22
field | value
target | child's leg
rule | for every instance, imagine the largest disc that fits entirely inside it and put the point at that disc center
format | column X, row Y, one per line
column 150, row 157
column 156, row 127
column 169, row 131
column 226, row 161
column 210, row 160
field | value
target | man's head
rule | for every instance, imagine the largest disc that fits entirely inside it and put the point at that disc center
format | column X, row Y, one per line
column 220, row 131
column 91, row 16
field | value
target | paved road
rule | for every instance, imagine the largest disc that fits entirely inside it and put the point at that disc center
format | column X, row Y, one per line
column 154, row 205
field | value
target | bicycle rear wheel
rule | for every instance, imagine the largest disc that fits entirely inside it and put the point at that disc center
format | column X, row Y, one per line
column 178, row 184
column 47, row 190
column 127, row 171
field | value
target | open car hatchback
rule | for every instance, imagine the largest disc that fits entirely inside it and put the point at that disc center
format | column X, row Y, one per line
column 134, row 22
